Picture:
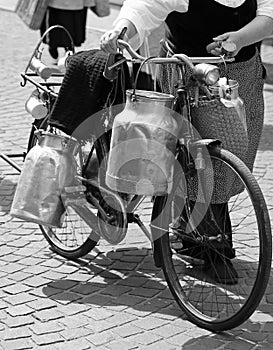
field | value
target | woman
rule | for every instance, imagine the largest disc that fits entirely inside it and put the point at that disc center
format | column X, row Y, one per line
column 195, row 28
column 71, row 14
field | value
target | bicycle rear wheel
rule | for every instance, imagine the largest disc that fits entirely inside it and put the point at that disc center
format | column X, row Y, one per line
column 209, row 303
column 75, row 238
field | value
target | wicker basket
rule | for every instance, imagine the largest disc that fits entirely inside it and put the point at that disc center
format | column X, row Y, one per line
column 32, row 12
column 215, row 121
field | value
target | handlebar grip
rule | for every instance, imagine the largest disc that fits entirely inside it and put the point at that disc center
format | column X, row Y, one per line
column 111, row 69
column 107, row 73
column 122, row 33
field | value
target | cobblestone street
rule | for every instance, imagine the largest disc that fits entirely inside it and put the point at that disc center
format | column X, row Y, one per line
column 114, row 298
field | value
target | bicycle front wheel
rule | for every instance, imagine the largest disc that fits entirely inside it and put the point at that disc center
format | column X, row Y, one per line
column 207, row 299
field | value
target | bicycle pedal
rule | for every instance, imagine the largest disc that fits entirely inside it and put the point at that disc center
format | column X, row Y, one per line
column 177, row 245
column 74, row 195
column 75, row 201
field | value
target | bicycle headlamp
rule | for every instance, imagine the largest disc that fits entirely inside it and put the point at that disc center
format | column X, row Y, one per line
column 207, row 73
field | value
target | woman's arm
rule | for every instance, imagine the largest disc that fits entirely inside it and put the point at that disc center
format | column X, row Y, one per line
column 108, row 41
column 256, row 30
column 140, row 17
column 259, row 28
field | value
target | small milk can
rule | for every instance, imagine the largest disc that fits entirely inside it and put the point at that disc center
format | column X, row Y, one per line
column 143, row 143
column 223, row 117
column 229, row 96
column 48, row 167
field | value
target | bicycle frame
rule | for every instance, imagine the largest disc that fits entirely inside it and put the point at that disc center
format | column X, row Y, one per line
column 188, row 144
column 182, row 104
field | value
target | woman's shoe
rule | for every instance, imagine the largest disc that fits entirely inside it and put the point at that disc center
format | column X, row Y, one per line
column 221, row 270
column 53, row 51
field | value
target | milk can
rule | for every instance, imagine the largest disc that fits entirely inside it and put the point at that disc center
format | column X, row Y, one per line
column 228, row 92
column 48, row 167
column 143, row 143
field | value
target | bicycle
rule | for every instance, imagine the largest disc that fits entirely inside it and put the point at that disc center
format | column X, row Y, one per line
column 212, row 305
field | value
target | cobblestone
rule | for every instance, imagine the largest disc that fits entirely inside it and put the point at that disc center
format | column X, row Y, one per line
column 18, row 321
column 79, row 344
column 145, row 338
column 17, row 344
column 76, row 333
column 16, row 288
column 101, row 338
column 20, row 310
column 44, row 339
column 48, row 315
column 19, row 298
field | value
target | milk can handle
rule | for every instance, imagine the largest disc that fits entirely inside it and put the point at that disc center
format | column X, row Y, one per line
column 37, row 53
column 225, row 68
column 227, row 50
column 133, row 96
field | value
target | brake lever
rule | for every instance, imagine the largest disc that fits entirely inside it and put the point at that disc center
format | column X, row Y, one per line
column 117, row 63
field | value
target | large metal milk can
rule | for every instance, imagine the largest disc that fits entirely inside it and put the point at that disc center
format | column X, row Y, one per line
column 143, row 143
column 48, row 167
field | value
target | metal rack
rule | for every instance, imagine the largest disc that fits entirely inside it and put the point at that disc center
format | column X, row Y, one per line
column 35, row 68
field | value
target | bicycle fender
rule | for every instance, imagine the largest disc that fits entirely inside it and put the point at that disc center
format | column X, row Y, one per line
column 207, row 143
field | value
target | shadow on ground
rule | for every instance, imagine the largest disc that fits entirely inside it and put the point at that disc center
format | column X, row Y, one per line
column 7, row 189
column 126, row 279
column 120, row 279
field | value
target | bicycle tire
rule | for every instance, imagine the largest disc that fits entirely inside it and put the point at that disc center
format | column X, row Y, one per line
column 75, row 239
column 212, row 305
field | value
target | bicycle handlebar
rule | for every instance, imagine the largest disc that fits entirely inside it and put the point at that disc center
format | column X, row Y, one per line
column 175, row 59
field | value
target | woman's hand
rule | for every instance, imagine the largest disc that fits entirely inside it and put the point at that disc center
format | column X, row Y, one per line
column 108, row 41
column 215, row 48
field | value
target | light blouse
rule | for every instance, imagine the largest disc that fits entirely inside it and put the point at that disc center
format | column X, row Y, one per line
column 146, row 15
